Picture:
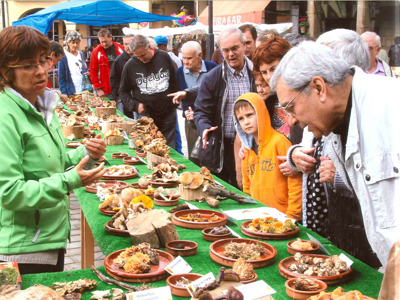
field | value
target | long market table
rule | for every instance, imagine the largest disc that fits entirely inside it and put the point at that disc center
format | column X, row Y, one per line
column 364, row 278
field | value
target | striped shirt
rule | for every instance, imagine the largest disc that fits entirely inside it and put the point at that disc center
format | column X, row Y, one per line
column 238, row 84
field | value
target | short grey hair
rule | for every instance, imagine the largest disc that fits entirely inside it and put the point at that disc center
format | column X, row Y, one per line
column 349, row 45
column 139, row 41
column 192, row 44
column 152, row 42
column 307, row 60
column 128, row 36
column 378, row 38
column 228, row 31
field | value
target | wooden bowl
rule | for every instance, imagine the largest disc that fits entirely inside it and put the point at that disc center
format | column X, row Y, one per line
column 217, row 249
column 156, row 273
column 214, row 237
column 131, row 160
column 162, row 202
column 119, row 155
column 178, row 290
column 293, row 251
column 115, row 231
column 267, row 236
column 303, row 295
column 189, row 250
column 284, row 264
column 205, row 213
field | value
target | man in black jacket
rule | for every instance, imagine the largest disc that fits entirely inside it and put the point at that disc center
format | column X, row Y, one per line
column 213, row 113
column 146, row 81
column 116, row 73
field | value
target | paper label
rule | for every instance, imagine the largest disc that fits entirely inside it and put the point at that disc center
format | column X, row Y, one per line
column 162, row 293
column 320, row 245
column 255, row 290
column 259, row 212
column 191, row 206
column 201, row 282
column 348, row 261
column 178, row 266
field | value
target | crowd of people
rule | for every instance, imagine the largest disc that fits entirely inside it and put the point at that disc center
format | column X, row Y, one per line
column 305, row 126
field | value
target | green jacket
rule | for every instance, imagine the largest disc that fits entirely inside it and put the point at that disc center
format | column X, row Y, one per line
column 34, row 186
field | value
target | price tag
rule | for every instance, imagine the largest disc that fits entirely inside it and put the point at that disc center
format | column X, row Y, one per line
column 201, row 282
column 348, row 261
column 255, row 290
column 162, row 293
column 178, row 266
column 320, row 245
column 191, row 206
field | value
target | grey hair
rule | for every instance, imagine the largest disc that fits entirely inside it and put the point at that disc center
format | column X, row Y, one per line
column 152, row 42
column 307, row 60
column 192, row 44
column 349, row 45
column 139, row 41
column 73, row 36
column 128, row 35
column 228, row 31
column 378, row 38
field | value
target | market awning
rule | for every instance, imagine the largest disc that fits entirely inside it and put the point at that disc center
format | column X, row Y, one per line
column 235, row 12
column 95, row 13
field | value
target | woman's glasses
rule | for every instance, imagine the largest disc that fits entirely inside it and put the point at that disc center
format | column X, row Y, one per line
column 46, row 64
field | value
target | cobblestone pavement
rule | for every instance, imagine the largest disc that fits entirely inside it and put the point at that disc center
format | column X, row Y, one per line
column 73, row 256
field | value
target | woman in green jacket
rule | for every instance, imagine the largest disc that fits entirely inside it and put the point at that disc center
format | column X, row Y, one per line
column 34, row 181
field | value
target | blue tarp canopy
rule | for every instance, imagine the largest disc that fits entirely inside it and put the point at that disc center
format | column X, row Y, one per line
column 94, row 13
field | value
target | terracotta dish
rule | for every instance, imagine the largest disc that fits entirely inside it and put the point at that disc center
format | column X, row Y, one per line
column 73, row 144
column 250, row 280
column 107, row 212
column 179, row 290
column 303, row 295
column 141, row 154
column 119, row 155
column 110, row 184
column 205, row 213
column 293, row 251
column 122, row 177
column 114, row 231
column 268, row 236
column 162, row 202
column 217, row 250
column 165, row 184
column 156, row 273
column 131, row 160
column 189, row 250
column 214, row 237
column 364, row 297
column 284, row 264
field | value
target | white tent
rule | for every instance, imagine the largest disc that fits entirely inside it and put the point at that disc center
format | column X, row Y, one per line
column 199, row 28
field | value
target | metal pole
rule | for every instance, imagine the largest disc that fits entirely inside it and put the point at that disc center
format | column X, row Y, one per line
column 3, row 13
column 210, row 35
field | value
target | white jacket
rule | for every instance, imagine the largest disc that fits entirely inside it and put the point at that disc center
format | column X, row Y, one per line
column 372, row 158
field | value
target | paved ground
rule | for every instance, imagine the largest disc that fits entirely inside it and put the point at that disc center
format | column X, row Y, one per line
column 73, row 256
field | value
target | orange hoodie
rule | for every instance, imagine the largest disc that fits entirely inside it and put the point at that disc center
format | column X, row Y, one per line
column 262, row 178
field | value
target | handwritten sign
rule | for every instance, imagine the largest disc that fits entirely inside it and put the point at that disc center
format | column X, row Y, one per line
column 162, row 293
column 178, row 266
column 201, row 282
column 255, row 290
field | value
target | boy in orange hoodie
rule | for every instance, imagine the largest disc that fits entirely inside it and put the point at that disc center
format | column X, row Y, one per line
column 260, row 167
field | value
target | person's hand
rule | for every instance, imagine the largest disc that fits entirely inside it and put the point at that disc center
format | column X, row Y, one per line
column 178, row 96
column 189, row 114
column 100, row 93
column 326, row 170
column 303, row 161
column 89, row 176
column 284, row 167
column 242, row 151
column 96, row 147
column 141, row 109
column 239, row 179
column 63, row 98
column 205, row 135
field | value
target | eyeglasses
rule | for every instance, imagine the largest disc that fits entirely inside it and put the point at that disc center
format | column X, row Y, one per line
column 233, row 49
column 285, row 108
column 46, row 64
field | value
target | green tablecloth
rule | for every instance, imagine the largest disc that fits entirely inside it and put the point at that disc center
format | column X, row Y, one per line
column 364, row 278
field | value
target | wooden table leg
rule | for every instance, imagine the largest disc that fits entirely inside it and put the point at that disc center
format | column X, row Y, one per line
column 87, row 244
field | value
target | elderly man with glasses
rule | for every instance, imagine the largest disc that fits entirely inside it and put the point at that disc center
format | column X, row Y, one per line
column 213, row 114
column 328, row 96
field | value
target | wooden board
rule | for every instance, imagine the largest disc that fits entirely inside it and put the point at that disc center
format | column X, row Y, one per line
column 78, row 131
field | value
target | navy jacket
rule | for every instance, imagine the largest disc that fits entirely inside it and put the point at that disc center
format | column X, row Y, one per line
column 192, row 92
column 65, row 82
